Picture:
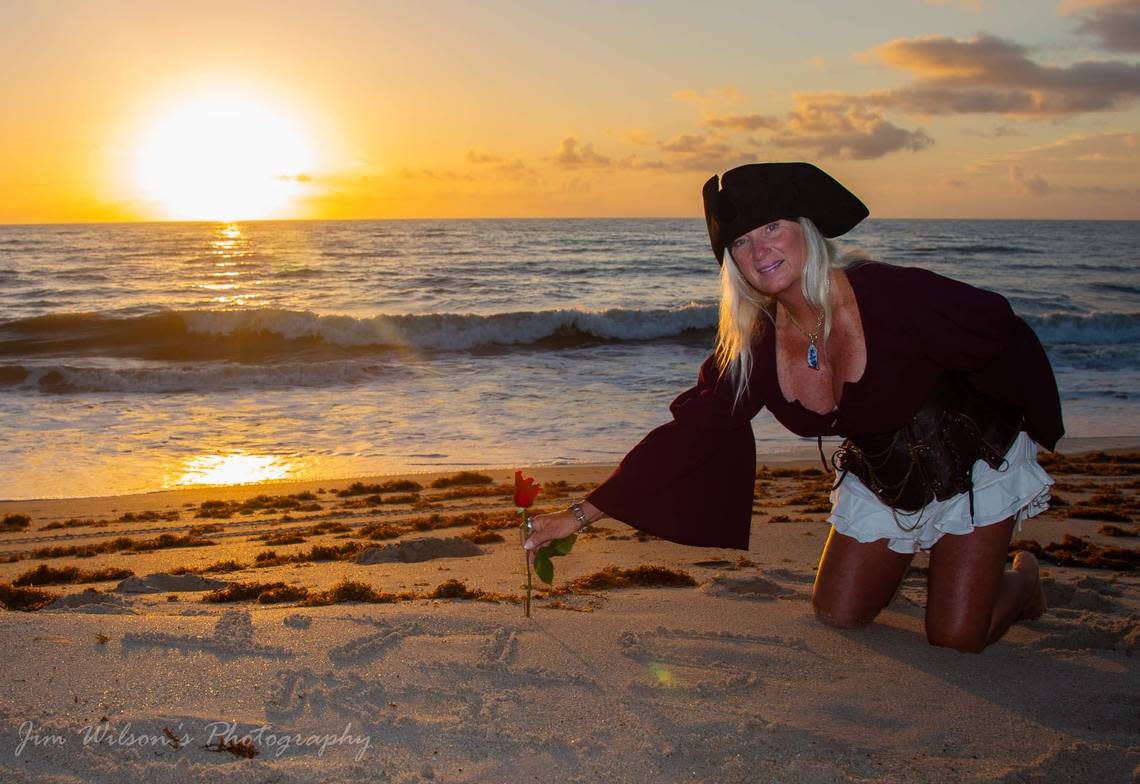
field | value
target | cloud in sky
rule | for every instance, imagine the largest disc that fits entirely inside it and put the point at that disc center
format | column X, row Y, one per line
column 571, row 156
column 1117, row 150
column 742, row 122
column 1116, row 24
column 697, row 152
column 638, row 136
column 980, row 75
column 509, row 169
column 1028, row 184
column 480, row 158
column 828, row 125
column 834, row 126
column 988, row 74
column 689, row 152
column 1097, row 170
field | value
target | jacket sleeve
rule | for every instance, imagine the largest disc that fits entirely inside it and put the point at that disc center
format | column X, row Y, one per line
column 976, row 332
column 691, row 480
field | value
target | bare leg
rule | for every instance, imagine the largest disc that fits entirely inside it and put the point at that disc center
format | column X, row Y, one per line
column 972, row 600
column 856, row 580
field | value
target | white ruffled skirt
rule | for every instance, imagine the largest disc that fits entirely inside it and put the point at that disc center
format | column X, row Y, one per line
column 1018, row 489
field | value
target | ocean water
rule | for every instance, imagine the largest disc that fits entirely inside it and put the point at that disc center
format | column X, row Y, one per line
column 137, row 357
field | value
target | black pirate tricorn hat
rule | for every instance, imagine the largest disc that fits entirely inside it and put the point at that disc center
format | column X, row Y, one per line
column 759, row 193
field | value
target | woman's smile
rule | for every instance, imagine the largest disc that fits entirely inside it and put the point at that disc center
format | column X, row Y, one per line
column 770, row 257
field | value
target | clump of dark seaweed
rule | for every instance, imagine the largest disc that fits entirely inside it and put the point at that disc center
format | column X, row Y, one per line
column 74, row 522
column 148, row 516
column 454, row 589
column 1115, row 530
column 1096, row 463
column 766, row 472
column 394, row 486
column 354, row 591
column 64, row 575
column 14, row 522
column 121, row 544
column 265, row 593
column 638, row 577
column 379, row 500
column 24, row 599
column 299, row 502
column 218, row 567
column 462, row 478
column 316, row 553
column 483, row 536
column 1075, row 551
column 379, row 531
column 471, row 492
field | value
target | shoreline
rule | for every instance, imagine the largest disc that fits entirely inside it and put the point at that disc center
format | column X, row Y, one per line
column 803, row 456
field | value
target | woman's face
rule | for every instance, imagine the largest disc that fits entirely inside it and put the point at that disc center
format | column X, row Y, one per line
column 771, row 257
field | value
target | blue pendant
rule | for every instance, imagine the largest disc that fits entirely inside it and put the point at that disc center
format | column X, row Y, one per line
column 812, row 356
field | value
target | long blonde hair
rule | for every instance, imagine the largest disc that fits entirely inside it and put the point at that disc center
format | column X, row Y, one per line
column 742, row 306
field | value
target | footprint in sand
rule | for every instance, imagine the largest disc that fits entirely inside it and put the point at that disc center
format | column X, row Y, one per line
column 421, row 682
column 788, row 575
column 163, row 582
column 91, row 601
column 371, row 647
column 232, row 635
column 1085, row 594
column 1089, row 631
column 1078, row 762
column 721, row 664
column 419, row 550
column 753, row 588
column 298, row 621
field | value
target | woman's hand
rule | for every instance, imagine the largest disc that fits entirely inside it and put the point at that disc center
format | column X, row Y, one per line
column 548, row 527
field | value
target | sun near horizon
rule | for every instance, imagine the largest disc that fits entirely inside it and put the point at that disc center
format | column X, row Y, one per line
column 223, row 158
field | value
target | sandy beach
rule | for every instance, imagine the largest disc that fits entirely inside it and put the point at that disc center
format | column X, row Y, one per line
column 372, row 630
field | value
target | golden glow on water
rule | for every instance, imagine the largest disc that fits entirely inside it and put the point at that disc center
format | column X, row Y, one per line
column 235, row 468
column 228, row 247
column 223, row 157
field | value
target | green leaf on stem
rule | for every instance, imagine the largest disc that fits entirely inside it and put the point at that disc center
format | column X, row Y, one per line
column 543, row 566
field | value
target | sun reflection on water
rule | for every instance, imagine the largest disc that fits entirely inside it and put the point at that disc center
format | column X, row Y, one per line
column 228, row 247
column 235, row 468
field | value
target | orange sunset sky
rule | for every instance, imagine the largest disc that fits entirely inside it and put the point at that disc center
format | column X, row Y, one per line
column 117, row 110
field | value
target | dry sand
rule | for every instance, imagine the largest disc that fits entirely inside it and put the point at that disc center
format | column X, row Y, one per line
column 727, row 680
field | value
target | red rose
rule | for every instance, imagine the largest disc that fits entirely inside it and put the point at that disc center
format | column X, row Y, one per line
column 525, row 490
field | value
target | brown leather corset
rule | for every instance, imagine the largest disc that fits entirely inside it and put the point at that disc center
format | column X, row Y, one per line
column 932, row 456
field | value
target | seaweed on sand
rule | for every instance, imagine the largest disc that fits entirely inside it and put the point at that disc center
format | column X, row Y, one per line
column 643, row 576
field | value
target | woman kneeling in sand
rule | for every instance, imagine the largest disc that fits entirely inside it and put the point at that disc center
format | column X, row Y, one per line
column 941, row 393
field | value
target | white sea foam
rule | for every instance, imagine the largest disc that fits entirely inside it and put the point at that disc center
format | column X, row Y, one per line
column 199, row 377
column 1087, row 329
column 457, row 331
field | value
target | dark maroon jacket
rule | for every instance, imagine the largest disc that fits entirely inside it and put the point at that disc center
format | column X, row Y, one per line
column 691, row 480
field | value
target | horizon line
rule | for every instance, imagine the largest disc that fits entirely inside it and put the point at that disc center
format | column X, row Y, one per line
column 213, row 221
